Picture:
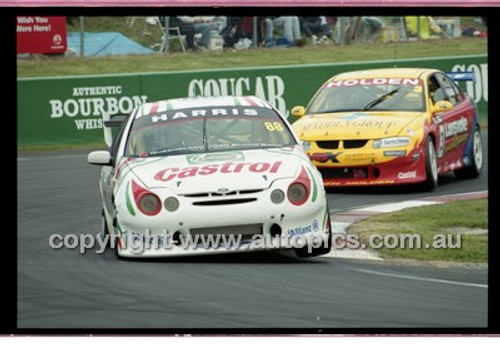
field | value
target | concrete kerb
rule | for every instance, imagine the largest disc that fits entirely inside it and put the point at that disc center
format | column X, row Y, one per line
column 341, row 221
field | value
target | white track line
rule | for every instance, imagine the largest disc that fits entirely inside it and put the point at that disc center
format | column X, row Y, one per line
column 391, row 207
column 422, row 278
column 39, row 157
column 339, row 228
column 456, row 194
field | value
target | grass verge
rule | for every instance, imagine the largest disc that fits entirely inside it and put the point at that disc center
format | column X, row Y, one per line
column 58, row 147
column 454, row 231
column 44, row 66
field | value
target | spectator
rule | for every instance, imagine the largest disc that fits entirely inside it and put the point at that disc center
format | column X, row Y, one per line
column 269, row 35
column 290, row 26
column 233, row 31
column 427, row 28
column 192, row 25
column 239, row 32
column 373, row 26
column 220, row 23
column 315, row 25
column 185, row 29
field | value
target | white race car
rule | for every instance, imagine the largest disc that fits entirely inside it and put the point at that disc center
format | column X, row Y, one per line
column 210, row 175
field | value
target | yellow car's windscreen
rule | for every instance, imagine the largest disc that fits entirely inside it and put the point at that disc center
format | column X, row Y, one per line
column 369, row 94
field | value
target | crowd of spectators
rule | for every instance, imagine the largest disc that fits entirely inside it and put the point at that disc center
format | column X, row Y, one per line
column 238, row 32
column 291, row 31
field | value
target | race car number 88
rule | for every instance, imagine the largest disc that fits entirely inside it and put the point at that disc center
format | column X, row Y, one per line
column 273, row 126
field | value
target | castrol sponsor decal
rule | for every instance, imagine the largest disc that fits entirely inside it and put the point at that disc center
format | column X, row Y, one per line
column 407, row 175
column 171, row 173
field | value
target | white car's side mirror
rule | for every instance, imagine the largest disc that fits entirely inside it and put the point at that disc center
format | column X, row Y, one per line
column 99, row 158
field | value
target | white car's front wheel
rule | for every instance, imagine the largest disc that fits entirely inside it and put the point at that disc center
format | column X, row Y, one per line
column 104, row 231
column 325, row 248
column 108, row 237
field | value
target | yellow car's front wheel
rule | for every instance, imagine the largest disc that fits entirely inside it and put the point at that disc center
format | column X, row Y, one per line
column 431, row 167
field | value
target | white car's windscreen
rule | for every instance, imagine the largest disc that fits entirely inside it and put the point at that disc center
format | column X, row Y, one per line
column 207, row 130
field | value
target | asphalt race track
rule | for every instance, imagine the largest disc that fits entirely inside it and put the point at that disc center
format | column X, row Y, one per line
column 58, row 193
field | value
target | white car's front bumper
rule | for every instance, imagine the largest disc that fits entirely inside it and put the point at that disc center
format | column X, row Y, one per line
column 196, row 229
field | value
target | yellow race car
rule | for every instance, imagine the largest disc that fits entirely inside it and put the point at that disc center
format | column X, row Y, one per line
column 391, row 126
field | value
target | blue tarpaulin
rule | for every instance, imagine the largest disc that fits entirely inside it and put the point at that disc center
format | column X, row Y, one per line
column 105, row 43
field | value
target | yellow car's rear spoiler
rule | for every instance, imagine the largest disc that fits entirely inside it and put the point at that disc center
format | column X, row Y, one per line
column 461, row 76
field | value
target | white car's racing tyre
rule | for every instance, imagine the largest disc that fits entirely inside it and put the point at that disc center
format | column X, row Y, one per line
column 105, row 233
column 117, row 248
column 431, row 167
column 474, row 169
column 325, row 248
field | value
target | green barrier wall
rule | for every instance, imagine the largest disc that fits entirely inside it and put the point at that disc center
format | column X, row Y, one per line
column 68, row 110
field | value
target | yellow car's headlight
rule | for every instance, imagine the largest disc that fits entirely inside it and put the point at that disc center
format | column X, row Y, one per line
column 391, row 142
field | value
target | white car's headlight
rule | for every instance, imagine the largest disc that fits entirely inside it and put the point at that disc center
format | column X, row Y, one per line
column 171, row 204
column 277, row 196
column 391, row 142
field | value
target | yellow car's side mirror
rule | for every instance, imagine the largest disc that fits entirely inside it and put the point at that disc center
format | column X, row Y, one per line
column 298, row 111
column 442, row 106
